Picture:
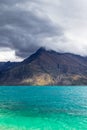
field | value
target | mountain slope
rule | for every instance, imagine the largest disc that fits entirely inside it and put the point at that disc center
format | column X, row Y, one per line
column 4, row 66
column 47, row 68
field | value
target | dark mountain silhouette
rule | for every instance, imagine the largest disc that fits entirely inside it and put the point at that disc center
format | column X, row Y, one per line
column 4, row 66
column 46, row 68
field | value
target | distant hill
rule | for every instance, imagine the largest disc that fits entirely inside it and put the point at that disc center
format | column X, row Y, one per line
column 4, row 66
column 46, row 68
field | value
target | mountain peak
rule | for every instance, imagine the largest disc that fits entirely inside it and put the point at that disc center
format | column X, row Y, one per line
column 41, row 50
column 48, row 67
column 35, row 55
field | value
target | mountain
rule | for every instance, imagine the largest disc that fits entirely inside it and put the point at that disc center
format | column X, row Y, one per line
column 4, row 66
column 47, row 68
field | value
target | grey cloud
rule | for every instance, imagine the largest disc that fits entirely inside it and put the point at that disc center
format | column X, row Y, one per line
column 24, row 30
column 26, row 25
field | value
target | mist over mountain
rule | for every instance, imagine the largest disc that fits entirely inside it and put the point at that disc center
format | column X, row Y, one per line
column 27, row 25
column 45, row 68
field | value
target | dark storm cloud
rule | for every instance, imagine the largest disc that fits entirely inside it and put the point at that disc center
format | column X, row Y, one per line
column 26, row 25
column 25, row 30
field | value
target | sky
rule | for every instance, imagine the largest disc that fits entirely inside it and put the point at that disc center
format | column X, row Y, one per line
column 27, row 25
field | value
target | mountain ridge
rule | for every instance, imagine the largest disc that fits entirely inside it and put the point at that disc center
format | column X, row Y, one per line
column 47, row 67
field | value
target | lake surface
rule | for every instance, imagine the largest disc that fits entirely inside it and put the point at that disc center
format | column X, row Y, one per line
column 43, row 108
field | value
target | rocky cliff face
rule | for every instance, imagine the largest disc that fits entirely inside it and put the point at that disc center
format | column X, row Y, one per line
column 47, row 68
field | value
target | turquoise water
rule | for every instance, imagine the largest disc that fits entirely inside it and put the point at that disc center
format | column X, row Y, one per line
column 43, row 108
